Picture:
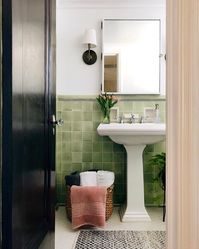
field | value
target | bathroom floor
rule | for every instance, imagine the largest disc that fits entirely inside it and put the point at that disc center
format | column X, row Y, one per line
column 65, row 237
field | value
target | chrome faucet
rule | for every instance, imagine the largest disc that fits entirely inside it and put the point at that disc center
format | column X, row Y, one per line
column 142, row 119
column 132, row 118
column 121, row 119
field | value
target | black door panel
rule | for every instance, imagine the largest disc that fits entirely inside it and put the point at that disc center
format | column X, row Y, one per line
column 28, row 143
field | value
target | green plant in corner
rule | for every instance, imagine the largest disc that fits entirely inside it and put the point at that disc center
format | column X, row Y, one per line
column 106, row 101
column 160, row 161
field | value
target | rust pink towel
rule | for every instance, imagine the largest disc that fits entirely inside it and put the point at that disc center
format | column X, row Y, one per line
column 88, row 205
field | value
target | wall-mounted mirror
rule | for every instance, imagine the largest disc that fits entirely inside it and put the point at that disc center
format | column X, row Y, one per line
column 131, row 56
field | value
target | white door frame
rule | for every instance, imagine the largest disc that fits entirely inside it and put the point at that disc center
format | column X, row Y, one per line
column 182, row 124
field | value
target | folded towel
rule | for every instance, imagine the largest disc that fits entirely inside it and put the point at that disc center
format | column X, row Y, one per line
column 88, row 178
column 88, row 206
column 105, row 178
column 73, row 179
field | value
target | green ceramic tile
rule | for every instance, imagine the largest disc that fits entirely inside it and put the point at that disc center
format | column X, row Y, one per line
column 76, row 126
column 58, row 114
column 87, row 106
column 66, row 157
column 66, row 126
column 97, row 166
column 119, row 167
column 87, row 146
column 58, row 147
column 64, row 181
column 95, row 126
column 87, row 116
column 97, row 157
column 58, row 157
column 87, row 126
column 66, row 147
column 66, row 136
column 107, row 157
column 108, row 166
column 119, row 157
column 96, row 107
column 77, row 135
column 58, row 167
column 106, row 139
column 58, row 179
column 87, row 166
column 126, row 106
column 108, row 147
column 79, row 147
column 58, row 106
column 66, row 167
column 66, row 106
column 97, row 146
column 66, row 116
column 76, row 167
column 97, row 138
column 76, row 105
column 118, row 147
column 59, row 188
column 87, row 136
column 76, row 116
column 87, row 157
column 58, row 136
column 76, row 157
column 76, row 146
column 97, row 116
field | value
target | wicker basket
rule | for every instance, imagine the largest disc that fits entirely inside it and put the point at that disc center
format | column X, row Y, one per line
column 109, row 202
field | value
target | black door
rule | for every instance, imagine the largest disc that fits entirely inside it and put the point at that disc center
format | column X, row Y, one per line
column 28, row 135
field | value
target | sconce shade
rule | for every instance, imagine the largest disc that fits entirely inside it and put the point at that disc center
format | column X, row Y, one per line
column 90, row 38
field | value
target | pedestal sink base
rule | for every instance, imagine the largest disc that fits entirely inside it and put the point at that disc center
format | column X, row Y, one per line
column 131, row 216
column 134, row 137
column 135, row 208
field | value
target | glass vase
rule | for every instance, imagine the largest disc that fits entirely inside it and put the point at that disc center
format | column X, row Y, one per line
column 106, row 119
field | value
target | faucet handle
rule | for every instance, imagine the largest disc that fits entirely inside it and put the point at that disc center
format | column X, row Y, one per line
column 141, row 119
column 121, row 118
column 132, row 118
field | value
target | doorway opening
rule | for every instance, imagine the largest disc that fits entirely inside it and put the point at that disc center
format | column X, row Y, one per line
column 78, row 146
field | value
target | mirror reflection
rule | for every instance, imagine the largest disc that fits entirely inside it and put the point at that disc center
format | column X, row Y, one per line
column 131, row 56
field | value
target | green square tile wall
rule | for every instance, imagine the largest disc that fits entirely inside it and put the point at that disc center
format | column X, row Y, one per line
column 79, row 147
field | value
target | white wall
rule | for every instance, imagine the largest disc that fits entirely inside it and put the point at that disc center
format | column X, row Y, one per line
column 74, row 77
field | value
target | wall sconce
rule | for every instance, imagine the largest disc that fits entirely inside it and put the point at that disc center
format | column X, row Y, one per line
column 89, row 56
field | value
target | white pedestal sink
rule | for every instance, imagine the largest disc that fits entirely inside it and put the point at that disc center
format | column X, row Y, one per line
column 134, row 137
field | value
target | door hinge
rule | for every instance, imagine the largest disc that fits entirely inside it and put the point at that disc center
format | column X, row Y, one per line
column 101, row 25
column 101, row 56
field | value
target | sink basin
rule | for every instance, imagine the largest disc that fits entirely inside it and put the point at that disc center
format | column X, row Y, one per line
column 132, row 134
column 134, row 137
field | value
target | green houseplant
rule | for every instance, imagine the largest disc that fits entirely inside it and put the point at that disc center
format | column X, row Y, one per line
column 106, row 101
column 160, row 161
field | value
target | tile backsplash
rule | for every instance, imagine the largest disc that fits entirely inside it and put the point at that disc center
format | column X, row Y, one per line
column 79, row 147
